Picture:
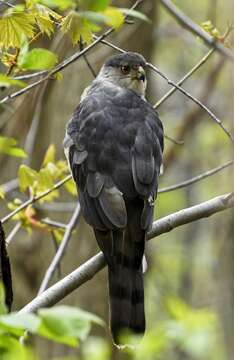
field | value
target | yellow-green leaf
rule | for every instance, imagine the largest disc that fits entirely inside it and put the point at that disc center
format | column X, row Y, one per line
column 13, row 26
column 71, row 187
column 115, row 17
column 135, row 14
column 45, row 24
column 44, row 17
column 77, row 26
column 60, row 4
column 27, row 177
column 45, row 181
column 49, row 155
column 2, row 193
column 58, row 234
column 7, row 146
column 95, row 5
column 6, row 81
column 38, row 59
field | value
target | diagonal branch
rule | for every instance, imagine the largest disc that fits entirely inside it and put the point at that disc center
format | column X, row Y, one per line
column 184, row 78
column 34, row 199
column 67, row 178
column 64, row 63
column 198, row 102
column 182, row 90
column 187, row 23
column 196, row 178
column 61, row 250
column 86, row 271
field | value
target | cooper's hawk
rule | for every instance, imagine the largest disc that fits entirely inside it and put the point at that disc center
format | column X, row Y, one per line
column 114, row 145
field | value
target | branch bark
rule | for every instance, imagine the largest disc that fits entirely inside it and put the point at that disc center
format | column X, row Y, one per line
column 61, row 250
column 86, row 271
column 195, row 29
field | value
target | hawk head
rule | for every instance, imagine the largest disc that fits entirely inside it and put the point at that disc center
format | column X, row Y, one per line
column 126, row 70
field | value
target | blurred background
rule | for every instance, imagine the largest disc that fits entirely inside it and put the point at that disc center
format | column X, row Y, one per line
column 189, row 287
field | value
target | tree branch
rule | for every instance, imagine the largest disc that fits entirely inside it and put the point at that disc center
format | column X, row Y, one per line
column 187, row 23
column 196, row 178
column 64, row 63
column 86, row 271
column 182, row 90
column 198, row 102
column 34, row 199
column 61, row 250
column 184, row 78
column 194, row 115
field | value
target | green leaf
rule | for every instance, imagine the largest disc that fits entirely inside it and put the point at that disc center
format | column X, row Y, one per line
column 76, row 26
column 27, row 177
column 135, row 14
column 13, row 26
column 2, row 196
column 15, row 321
column 44, row 17
column 3, row 309
column 7, row 146
column 65, row 324
column 70, row 186
column 45, row 180
column 58, row 234
column 49, row 155
column 6, row 81
column 11, row 349
column 38, row 59
column 94, row 17
column 60, row 4
column 45, row 24
column 115, row 17
column 95, row 5
column 24, row 47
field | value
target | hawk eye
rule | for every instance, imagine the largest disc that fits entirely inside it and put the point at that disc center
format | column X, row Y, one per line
column 125, row 69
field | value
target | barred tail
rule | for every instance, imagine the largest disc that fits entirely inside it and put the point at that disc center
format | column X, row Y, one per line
column 126, row 288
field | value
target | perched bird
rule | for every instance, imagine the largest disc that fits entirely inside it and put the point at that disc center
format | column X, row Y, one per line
column 114, row 145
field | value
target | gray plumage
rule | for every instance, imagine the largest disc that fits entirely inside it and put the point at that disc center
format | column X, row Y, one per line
column 114, row 145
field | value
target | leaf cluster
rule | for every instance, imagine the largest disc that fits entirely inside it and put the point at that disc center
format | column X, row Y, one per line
column 61, row 324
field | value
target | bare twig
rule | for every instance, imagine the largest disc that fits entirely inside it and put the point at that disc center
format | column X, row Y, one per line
column 167, row 189
column 6, row 3
column 34, row 199
column 194, row 116
column 63, row 64
column 30, row 76
column 198, row 102
column 196, row 178
column 174, row 141
column 53, row 223
column 185, row 77
column 187, row 22
column 33, row 130
column 182, row 90
column 86, row 271
column 10, row 185
column 13, row 232
column 61, row 250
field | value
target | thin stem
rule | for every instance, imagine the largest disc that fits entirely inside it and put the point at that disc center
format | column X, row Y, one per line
column 63, row 64
column 13, row 232
column 198, row 102
column 196, row 178
column 184, row 78
column 61, row 250
column 34, row 199
column 186, row 22
column 87, row 271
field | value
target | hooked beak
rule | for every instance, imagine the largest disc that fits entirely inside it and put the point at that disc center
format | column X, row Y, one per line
column 140, row 74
